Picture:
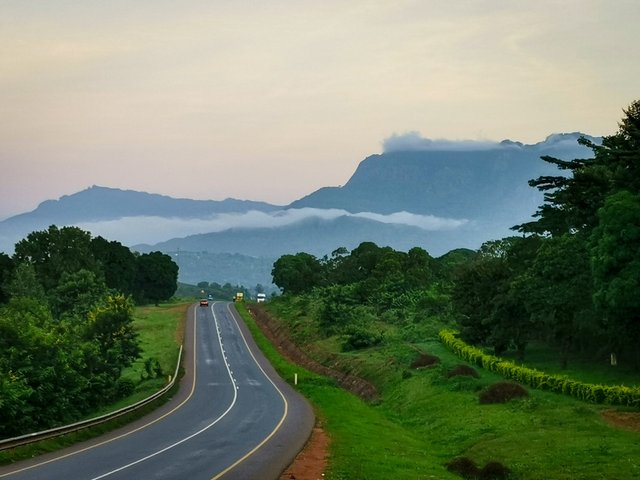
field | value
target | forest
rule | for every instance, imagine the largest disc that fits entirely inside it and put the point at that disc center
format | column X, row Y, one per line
column 569, row 279
column 66, row 333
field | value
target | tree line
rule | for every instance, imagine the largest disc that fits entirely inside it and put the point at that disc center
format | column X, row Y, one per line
column 66, row 324
column 569, row 279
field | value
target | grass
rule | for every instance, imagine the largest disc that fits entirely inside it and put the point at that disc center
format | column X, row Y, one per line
column 545, row 435
column 160, row 332
column 365, row 443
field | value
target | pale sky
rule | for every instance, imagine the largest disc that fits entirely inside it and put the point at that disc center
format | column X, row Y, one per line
column 271, row 100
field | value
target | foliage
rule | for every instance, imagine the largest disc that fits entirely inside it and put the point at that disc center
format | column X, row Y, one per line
column 66, row 325
column 612, row 395
column 297, row 273
column 615, row 247
column 157, row 277
column 502, row 392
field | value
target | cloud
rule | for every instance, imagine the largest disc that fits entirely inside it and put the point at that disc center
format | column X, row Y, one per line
column 151, row 230
column 414, row 142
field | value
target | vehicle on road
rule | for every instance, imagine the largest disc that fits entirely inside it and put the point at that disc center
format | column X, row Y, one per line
column 204, row 302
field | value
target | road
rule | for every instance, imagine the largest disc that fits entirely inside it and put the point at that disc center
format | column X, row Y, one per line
column 233, row 418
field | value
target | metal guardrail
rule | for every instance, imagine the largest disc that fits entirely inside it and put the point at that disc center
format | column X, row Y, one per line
column 74, row 427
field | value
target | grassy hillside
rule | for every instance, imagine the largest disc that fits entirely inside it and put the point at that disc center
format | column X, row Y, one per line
column 425, row 419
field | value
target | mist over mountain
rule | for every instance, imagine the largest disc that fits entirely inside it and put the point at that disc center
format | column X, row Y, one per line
column 475, row 180
column 435, row 194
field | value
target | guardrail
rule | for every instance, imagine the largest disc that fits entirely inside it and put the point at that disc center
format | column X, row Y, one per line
column 74, row 427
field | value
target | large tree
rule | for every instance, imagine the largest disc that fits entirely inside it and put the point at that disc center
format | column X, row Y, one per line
column 572, row 200
column 615, row 257
column 157, row 277
column 297, row 273
column 56, row 251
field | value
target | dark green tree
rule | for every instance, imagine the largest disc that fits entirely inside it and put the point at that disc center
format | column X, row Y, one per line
column 295, row 274
column 157, row 277
column 557, row 290
column 572, row 200
column 117, row 264
column 7, row 267
column 615, row 257
column 56, row 251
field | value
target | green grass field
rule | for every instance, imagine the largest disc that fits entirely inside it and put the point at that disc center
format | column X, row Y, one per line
column 423, row 420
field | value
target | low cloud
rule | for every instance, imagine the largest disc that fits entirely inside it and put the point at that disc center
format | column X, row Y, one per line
column 151, row 230
column 415, row 142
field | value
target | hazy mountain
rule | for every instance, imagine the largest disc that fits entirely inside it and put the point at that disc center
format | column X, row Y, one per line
column 317, row 236
column 102, row 204
column 485, row 182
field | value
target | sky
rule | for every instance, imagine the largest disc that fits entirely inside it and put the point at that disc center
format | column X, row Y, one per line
column 271, row 100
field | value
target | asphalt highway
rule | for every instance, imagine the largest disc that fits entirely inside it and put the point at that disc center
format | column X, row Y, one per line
column 233, row 418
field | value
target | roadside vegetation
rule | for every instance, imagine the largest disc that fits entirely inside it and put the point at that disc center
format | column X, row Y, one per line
column 67, row 326
column 563, row 295
column 160, row 332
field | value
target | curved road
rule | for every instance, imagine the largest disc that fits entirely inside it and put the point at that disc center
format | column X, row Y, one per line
column 233, row 418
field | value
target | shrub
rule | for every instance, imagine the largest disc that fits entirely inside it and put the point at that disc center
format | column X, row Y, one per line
column 502, row 392
column 494, row 471
column 361, row 337
column 464, row 466
column 463, row 370
column 425, row 360
column 612, row 395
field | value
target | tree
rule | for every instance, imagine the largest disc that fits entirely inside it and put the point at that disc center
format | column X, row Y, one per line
column 117, row 264
column 297, row 273
column 76, row 294
column 615, row 257
column 110, row 328
column 557, row 290
column 157, row 277
column 487, row 297
column 56, row 251
column 7, row 267
column 572, row 201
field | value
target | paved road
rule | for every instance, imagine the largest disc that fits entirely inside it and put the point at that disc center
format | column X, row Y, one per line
column 234, row 418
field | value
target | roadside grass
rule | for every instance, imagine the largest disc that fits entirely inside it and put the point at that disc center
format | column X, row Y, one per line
column 545, row 435
column 365, row 444
column 161, row 331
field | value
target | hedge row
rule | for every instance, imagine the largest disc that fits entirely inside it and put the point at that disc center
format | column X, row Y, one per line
column 612, row 395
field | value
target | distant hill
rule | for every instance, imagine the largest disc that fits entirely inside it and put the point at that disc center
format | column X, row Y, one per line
column 312, row 235
column 99, row 204
column 488, row 184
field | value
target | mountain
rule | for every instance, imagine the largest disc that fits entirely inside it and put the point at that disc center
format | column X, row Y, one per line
column 313, row 235
column 103, row 204
column 488, row 183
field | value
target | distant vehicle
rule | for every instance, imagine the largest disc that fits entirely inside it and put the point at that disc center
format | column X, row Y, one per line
column 204, row 302
column 261, row 297
column 239, row 297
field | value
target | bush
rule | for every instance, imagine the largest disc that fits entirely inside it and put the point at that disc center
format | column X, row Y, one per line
column 464, row 371
column 494, row 471
column 425, row 360
column 360, row 337
column 502, row 392
column 124, row 387
column 612, row 395
column 464, row 466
